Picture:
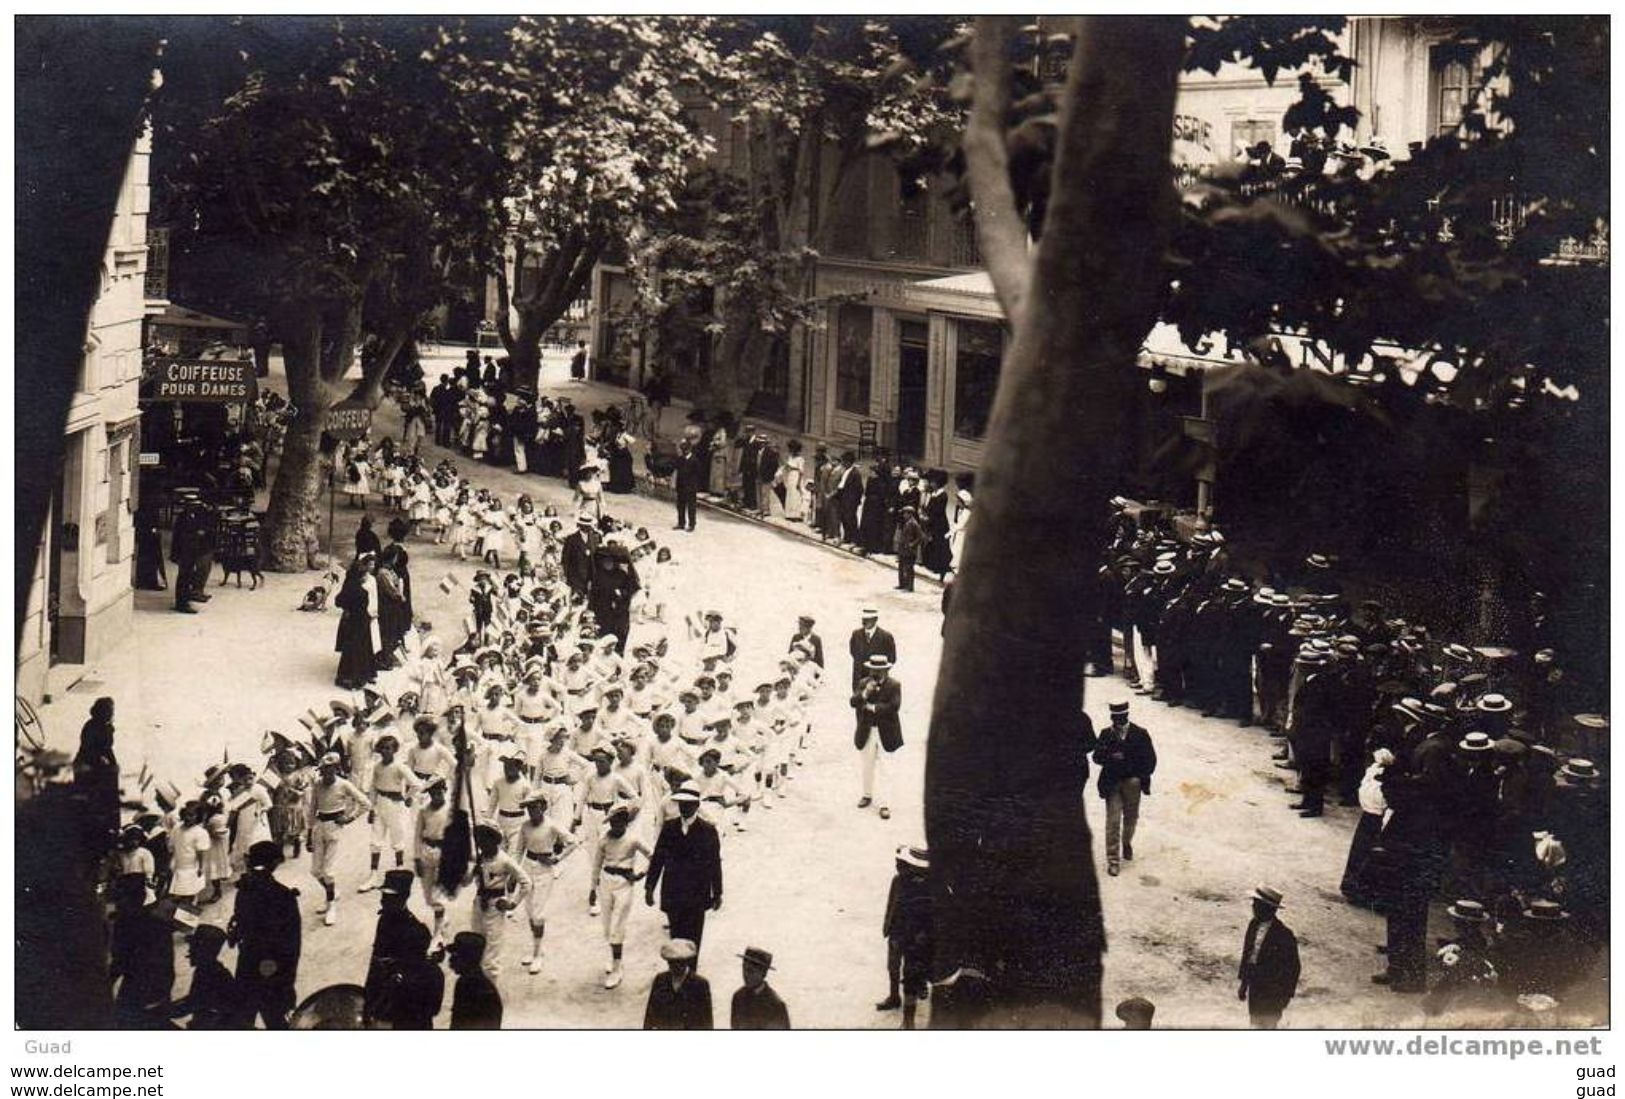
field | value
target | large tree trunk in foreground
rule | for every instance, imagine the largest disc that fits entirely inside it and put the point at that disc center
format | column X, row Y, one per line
column 544, row 299
column 1016, row 897
column 316, row 355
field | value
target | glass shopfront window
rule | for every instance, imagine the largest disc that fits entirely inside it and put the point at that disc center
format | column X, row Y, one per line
column 976, row 376
column 854, row 336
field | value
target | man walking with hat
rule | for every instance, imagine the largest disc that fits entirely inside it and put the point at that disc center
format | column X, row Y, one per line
column 265, row 929
column 907, row 930
column 475, row 1002
column 869, row 640
column 1127, row 759
column 756, row 1006
column 687, row 868
column 877, row 700
column 679, row 999
column 615, row 870
column 395, row 938
column 1269, row 962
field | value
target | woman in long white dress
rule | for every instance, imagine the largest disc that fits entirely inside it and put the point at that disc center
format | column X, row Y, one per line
column 498, row 534
column 956, row 533
column 792, row 475
column 369, row 584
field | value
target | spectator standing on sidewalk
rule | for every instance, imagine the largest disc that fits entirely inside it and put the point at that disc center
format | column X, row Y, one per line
column 688, row 476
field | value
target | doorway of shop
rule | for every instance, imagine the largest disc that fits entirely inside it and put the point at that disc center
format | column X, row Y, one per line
column 912, row 370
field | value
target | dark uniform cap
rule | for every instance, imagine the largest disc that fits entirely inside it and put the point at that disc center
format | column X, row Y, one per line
column 398, row 883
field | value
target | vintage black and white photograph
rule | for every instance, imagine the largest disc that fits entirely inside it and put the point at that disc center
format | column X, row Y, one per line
column 812, row 521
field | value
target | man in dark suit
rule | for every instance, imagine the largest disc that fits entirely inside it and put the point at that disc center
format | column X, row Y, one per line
column 688, row 856
column 679, row 999
column 805, row 639
column 395, row 939
column 1127, row 759
column 186, row 550
column 756, row 1006
column 576, row 556
column 877, row 700
column 475, row 1002
column 265, row 928
column 689, row 475
column 750, row 458
column 848, row 495
column 1269, row 962
column 869, row 640
column 1313, row 727
column 614, row 584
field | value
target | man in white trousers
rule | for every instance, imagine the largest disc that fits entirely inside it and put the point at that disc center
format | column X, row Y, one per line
column 877, row 700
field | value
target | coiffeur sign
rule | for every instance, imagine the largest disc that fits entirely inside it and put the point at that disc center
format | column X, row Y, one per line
column 206, row 381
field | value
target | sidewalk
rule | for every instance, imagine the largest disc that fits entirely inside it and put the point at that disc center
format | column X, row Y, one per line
column 591, row 395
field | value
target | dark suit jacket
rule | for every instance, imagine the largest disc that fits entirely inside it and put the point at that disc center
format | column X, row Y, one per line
column 686, row 1009
column 759, row 1010
column 475, row 1003
column 576, row 561
column 691, row 866
column 1124, row 754
column 690, row 471
column 862, row 648
column 1270, row 984
column 817, row 644
column 265, row 927
column 883, row 721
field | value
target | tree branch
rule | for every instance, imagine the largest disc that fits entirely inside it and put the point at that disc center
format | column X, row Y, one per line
column 1000, row 230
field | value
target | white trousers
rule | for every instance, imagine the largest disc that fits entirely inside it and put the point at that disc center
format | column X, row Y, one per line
column 615, row 895
column 391, row 825
column 542, row 877
column 869, row 757
column 324, row 846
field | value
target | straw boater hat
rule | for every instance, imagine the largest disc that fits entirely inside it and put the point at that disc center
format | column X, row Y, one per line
column 686, row 792
column 1494, row 703
column 917, row 857
column 1271, row 897
column 878, row 662
column 1468, row 912
column 679, row 950
column 1476, row 742
column 1579, row 772
column 1545, row 910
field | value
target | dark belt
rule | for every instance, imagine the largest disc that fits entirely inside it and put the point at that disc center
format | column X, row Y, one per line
column 540, row 856
column 424, row 776
column 392, row 795
column 330, row 818
column 427, row 842
column 492, row 894
column 557, row 780
column 495, row 736
column 532, row 720
column 510, row 812
column 718, row 798
column 601, row 806
column 621, row 872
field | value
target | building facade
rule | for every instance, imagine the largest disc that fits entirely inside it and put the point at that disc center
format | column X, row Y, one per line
column 81, row 602
column 905, row 350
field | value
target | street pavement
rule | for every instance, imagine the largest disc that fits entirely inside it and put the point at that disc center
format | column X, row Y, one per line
column 808, row 881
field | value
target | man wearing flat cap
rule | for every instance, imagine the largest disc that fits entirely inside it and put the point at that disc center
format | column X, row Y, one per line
column 475, row 1002
column 756, row 1006
column 687, row 868
column 265, row 929
column 392, row 942
column 808, row 641
column 679, row 999
column 1269, row 962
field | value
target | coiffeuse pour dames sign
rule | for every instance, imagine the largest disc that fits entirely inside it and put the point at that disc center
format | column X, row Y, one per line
column 209, row 381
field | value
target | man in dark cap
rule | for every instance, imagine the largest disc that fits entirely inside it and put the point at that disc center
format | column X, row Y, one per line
column 756, row 1006
column 396, row 934
column 1269, row 962
column 265, row 928
column 1136, row 1013
column 679, row 999
column 806, row 639
column 212, row 1000
column 475, row 1002
column 410, row 987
